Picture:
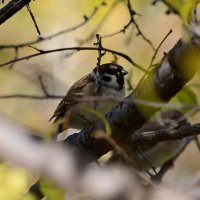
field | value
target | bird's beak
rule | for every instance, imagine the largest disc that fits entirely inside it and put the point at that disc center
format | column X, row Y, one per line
column 124, row 72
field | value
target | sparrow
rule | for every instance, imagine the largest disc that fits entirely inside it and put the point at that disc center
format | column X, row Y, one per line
column 159, row 153
column 156, row 154
column 73, row 111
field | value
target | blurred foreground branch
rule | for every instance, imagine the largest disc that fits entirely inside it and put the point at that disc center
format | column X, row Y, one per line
column 60, row 167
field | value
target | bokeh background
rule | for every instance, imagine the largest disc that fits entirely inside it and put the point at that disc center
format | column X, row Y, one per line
column 59, row 70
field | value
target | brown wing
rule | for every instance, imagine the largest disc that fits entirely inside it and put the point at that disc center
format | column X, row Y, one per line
column 76, row 90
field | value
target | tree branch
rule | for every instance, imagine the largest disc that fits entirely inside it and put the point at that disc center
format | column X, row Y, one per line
column 33, row 18
column 29, row 96
column 153, row 137
column 86, row 19
column 139, row 32
column 42, row 52
column 11, row 8
column 163, row 82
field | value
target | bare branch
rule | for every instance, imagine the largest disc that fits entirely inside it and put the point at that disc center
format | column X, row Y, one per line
column 99, row 25
column 139, row 31
column 131, row 22
column 15, row 57
column 42, row 52
column 152, row 137
column 120, row 31
column 100, row 55
column 37, row 49
column 157, row 49
column 27, row 96
column 33, row 18
column 12, row 8
column 86, row 19
column 43, row 86
column 137, row 101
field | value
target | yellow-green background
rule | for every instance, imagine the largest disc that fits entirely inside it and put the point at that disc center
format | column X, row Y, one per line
column 60, row 72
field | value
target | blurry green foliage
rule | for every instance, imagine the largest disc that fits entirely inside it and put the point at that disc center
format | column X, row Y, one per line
column 182, row 7
column 187, row 96
column 13, row 183
column 51, row 191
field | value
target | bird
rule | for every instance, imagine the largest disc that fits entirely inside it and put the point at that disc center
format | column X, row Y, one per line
column 74, row 110
column 159, row 153
column 150, row 156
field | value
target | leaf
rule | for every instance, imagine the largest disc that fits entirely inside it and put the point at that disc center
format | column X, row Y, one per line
column 51, row 191
column 187, row 96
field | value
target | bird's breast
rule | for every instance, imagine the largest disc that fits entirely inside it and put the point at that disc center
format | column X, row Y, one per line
column 83, row 114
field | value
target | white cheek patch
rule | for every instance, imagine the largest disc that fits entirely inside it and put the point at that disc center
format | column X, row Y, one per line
column 112, row 82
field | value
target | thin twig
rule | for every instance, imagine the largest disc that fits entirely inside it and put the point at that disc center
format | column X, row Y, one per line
column 126, row 57
column 99, row 25
column 118, row 149
column 81, row 42
column 120, row 31
column 157, row 49
column 154, row 55
column 100, row 55
column 29, row 96
column 11, row 8
column 37, row 49
column 33, row 18
column 86, row 19
column 43, row 86
column 147, row 160
column 15, row 57
column 139, row 31
column 102, row 99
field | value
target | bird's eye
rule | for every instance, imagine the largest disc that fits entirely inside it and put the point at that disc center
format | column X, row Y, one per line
column 106, row 78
